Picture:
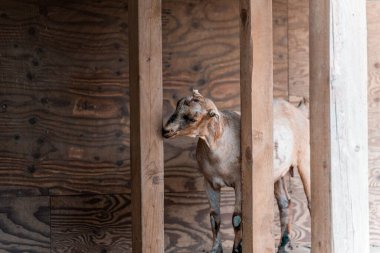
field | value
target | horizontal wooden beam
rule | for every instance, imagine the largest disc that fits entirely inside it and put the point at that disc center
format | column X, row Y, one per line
column 147, row 163
column 256, row 73
column 339, row 138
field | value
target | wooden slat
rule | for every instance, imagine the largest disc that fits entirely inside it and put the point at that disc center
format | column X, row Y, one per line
column 339, row 147
column 25, row 224
column 373, row 18
column 256, row 73
column 94, row 223
column 147, row 158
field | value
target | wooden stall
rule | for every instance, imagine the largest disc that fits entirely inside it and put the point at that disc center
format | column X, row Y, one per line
column 66, row 106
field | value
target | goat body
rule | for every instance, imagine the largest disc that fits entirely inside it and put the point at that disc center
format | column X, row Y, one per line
column 219, row 157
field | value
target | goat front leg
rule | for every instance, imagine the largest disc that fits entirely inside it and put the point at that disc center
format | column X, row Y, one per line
column 214, row 200
column 236, row 221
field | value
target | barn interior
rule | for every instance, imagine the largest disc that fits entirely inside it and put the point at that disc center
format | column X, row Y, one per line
column 65, row 182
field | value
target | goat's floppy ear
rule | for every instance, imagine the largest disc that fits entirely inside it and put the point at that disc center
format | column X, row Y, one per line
column 213, row 113
column 197, row 97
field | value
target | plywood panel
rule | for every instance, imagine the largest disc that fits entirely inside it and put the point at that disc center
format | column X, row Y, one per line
column 25, row 224
column 64, row 93
column 64, row 117
column 96, row 223
column 298, row 42
column 280, row 48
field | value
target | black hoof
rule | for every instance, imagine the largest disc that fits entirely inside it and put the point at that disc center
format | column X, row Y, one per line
column 237, row 249
column 217, row 249
column 285, row 248
column 282, row 250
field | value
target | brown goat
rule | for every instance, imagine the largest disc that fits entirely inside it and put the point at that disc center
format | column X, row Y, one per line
column 219, row 159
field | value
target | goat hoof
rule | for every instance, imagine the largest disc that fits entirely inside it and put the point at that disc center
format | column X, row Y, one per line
column 237, row 249
column 217, row 249
column 285, row 249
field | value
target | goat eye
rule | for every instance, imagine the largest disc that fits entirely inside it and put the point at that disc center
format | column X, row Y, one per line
column 187, row 118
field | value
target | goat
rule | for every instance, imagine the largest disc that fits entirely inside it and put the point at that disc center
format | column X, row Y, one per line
column 219, row 159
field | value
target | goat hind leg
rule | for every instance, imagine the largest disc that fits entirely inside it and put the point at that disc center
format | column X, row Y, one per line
column 283, row 203
column 214, row 201
column 236, row 221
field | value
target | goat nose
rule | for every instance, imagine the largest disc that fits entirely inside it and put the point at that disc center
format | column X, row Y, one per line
column 165, row 131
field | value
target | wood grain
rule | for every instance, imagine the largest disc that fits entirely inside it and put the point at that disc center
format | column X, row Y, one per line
column 25, row 224
column 64, row 118
column 96, row 223
column 256, row 92
column 187, row 226
column 64, row 113
column 280, row 49
column 320, row 127
column 201, row 50
column 339, row 130
column 298, row 47
column 147, row 150
column 373, row 21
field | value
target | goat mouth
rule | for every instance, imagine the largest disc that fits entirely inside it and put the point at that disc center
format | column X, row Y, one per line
column 170, row 135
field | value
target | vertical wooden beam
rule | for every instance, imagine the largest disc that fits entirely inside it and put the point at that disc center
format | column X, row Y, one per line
column 145, row 65
column 339, row 146
column 256, row 71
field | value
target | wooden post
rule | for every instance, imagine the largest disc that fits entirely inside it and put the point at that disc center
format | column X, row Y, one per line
column 145, row 65
column 256, row 73
column 339, row 142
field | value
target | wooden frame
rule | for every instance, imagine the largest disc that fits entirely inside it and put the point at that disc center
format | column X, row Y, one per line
column 339, row 146
column 147, row 157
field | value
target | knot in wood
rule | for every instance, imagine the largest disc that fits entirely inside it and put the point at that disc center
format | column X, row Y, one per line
column 156, row 179
column 258, row 136
column 244, row 16
column 248, row 153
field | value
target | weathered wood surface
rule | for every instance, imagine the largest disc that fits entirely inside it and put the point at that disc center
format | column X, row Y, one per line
column 373, row 18
column 86, row 71
column 298, row 48
column 96, row 223
column 64, row 117
column 256, row 92
column 280, row 49
column 147, row 149
column 25, row 224
column 339, row 130
column 103, row 222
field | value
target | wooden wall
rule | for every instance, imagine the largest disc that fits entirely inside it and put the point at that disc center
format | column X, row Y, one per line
column 64, row 118
column 64, row 126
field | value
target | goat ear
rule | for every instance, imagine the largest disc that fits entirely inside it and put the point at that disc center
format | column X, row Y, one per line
column 197, row 97
column 213, row 114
